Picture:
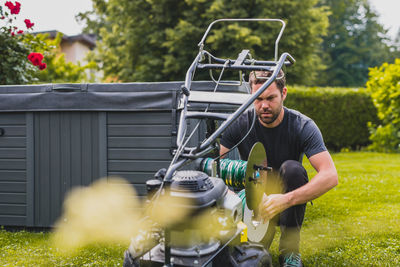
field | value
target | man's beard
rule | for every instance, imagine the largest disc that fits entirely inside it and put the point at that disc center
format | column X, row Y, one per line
column 272, row 119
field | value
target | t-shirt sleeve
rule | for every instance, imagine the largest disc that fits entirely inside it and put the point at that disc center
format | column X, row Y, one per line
column 231, row 136
column 311, row 139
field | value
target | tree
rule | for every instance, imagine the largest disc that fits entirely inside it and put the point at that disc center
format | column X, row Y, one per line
column 355, row 42
column 396, row 44
column 157, row 40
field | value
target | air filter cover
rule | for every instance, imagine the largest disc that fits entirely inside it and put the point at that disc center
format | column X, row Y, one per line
column 197, row 187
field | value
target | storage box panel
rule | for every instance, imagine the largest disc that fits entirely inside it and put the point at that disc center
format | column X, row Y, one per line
column 66, row 156
column 13, row 167
column 138, row 145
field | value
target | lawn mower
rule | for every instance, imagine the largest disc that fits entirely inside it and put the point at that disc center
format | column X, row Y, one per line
column 231, row 233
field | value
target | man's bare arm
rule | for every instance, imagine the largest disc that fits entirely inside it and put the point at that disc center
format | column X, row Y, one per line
column 325, row 179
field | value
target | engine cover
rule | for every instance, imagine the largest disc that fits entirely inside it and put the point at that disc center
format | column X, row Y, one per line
column 191, row 181
column 202, row 191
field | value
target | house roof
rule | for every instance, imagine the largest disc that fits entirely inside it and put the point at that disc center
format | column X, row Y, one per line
column 88, row 39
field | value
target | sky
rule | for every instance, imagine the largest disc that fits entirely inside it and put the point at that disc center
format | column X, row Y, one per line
column 52, row 14
column 60, row 14
column 388, row 11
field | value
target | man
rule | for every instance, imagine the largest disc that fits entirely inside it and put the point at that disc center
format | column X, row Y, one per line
column 286, row 135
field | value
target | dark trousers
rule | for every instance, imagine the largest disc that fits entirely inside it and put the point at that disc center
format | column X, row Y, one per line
column 293, row 175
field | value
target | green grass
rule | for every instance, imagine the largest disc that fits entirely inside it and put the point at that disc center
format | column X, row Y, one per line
column 358, row 222
column 355, row 224
column 34, row 249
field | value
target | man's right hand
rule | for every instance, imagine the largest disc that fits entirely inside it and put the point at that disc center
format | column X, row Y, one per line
column 272, row 205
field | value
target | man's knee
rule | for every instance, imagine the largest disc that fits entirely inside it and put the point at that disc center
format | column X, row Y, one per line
column 293, row 174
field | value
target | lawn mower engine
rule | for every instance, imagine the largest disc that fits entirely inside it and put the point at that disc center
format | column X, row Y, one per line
column 208, row 236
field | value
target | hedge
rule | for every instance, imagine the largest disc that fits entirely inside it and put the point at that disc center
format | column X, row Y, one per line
column 341, row 114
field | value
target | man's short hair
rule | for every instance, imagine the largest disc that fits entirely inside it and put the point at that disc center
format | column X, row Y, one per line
column 257, row 77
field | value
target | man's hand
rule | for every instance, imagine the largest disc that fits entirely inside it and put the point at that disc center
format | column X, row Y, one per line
column 272, row 205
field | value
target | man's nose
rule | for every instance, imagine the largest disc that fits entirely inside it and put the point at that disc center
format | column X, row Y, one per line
column 264, row 104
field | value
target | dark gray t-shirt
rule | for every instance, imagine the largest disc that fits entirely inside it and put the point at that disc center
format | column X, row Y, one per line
column 295, row 135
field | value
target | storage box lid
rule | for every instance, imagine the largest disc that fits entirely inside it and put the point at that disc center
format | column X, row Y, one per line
column 96, row 97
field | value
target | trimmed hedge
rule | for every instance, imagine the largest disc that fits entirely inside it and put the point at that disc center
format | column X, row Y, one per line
column 342, row 114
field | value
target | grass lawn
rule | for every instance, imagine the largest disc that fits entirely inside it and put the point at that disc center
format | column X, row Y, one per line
column 355, row 224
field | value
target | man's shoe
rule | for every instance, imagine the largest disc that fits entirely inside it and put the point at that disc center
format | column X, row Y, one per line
column 291, row 260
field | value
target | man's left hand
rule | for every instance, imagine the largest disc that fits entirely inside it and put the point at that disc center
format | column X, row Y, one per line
column 272, row 205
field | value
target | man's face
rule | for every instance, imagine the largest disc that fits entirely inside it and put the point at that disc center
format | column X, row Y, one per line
column 269, row 104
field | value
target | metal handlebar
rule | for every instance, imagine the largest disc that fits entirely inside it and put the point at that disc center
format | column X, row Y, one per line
column 201, row 43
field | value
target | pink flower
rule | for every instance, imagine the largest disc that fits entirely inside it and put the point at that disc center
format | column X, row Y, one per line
column 14, row 9
column 28, row 23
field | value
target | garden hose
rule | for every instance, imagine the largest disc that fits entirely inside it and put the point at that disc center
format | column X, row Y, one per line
column 233, row 172
column 242, row 196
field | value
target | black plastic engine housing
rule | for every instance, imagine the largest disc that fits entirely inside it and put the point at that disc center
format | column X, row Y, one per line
column 201, row 190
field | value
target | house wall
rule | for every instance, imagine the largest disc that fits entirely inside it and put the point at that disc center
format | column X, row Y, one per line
column 75, row 51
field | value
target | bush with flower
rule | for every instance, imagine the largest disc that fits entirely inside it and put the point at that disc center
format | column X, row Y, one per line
column 34, row 58
column 19, row 59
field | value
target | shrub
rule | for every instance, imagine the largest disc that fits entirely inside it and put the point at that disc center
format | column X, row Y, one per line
column 16, row 48
column 14, row 66
column 384, row 85
column 342, row 114
column 22, row 54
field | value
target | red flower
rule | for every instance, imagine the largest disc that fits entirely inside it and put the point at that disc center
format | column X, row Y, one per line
column 42, row 66
column 9, row 5
column 13, row 33
column 35, row 58
column 20, row 32
column 13, row 8
column 28, row 23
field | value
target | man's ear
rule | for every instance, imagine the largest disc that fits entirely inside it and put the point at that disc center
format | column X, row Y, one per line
column 284, row 93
